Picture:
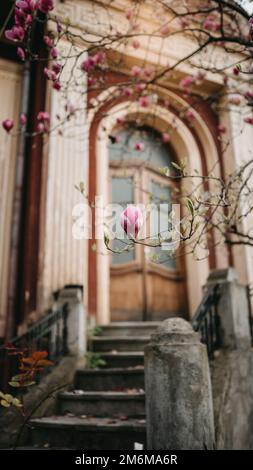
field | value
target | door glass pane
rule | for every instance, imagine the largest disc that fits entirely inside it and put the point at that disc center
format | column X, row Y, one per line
column 161, row 198
column 153, row 150
column 122, row 190
column 123, row 194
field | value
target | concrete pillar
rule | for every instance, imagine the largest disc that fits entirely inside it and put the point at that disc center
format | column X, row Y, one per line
column 179, row 405
column 76, row 320
column 233, row 309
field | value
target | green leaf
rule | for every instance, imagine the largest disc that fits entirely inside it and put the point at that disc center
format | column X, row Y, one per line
column 16, row 402
column 176, row 166
column 82, row 186
column 28, row 383
column 106, row 239
column 190, row 205
column 14, row 384
column 5, row 403
column 165, row 171
column 17, row 378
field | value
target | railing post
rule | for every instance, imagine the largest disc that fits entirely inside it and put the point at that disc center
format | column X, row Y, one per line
column 179, row 409
column 75, row 322
column 233, row 309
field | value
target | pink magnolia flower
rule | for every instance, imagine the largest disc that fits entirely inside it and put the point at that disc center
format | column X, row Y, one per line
column 249, row 120
column 131, row 220
column 16, row 33
column 48, row 41
column 21, row 53
column 222, row 129
column 8, row 124
column 248, row 95
column 57, row 68
column 92, row 81
column 129, row 14
column 136, row 44
column 57, row 85
column 183, row 22
column 236, row 71
column 23, row 119
column 88, row 64
column 26, row 6
column 199, row 77
column 91, row 61
column 164, row 30
column 165, row 137
column 120, row 120
column 43, row 116
column 139, row 87
column 59, row 27
column 127, row 91
column 148, row 72
column 50, row 74
column 20, row 17
column 189, row 114
column 45, row 5
column 211, row 24
column 99, row 57
column 144, row 101
column 54, row 53
column 187, row 81
column 139, row 146
column 40, row 127
column 136, row 71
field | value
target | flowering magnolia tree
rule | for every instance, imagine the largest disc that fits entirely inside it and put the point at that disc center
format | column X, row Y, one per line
column 215, row 29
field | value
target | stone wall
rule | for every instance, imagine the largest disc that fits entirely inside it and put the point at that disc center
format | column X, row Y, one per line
column 232, row 386
column 191, row 404
column 45, row 394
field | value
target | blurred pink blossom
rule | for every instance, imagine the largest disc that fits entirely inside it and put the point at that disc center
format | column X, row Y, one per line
column 139, row 146
column 21, row 53
column 8, row 124
column 23, row 119
column 165, row 137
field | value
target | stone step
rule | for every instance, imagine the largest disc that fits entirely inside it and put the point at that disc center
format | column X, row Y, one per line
column 118, row 343
column 88, row 434
column 130, row 403
column 123, row 359
column 109, row 379
column 128, row 329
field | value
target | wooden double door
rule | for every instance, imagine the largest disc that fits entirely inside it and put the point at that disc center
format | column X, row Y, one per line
column 146, row 282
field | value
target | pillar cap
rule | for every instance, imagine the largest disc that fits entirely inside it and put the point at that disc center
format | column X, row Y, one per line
column 222, row 275
column 175, row 330
column 70, row 294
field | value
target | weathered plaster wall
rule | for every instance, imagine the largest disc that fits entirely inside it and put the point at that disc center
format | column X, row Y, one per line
column 63, row 256
column 10, row 86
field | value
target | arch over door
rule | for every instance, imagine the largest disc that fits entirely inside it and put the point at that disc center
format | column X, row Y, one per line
column 145, row 282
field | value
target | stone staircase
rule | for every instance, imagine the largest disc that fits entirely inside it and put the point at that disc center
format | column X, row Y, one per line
column 106, row 408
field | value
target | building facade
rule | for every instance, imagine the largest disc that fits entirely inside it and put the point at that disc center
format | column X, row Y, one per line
column 40, row 207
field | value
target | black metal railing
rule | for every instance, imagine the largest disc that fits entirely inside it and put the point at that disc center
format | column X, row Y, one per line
column 250, row 295
column 207, row 321
column 48, row 334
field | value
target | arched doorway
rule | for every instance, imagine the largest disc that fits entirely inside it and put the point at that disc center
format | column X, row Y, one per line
column 146, row 283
